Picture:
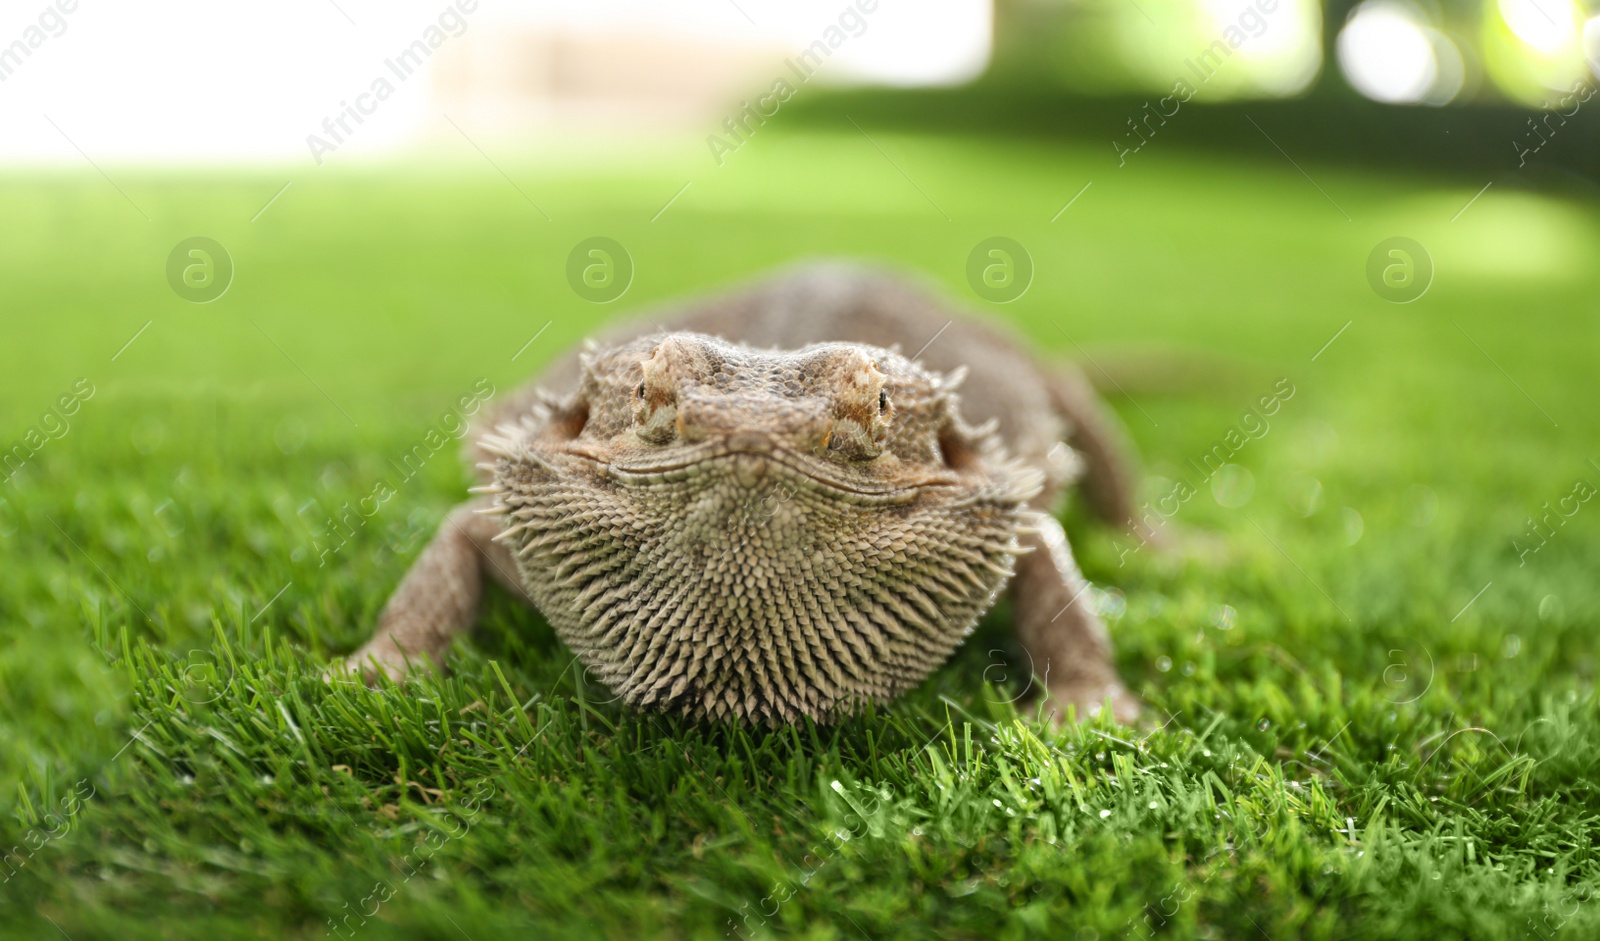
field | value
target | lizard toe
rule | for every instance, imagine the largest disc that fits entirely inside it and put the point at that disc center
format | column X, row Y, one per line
column 1088, row 700
column 374, row 661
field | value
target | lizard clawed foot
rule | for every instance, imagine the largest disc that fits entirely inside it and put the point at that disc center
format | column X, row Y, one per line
column 381, row 659
column 1088, row 700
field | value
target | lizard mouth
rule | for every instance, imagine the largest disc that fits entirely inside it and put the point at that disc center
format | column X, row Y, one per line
column 749, row 465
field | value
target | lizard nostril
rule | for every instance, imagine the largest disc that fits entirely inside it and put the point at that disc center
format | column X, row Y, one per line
column 847, row 440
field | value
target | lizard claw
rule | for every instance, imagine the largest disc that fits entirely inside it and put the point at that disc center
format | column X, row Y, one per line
column 1087, row 700
column 373, row 661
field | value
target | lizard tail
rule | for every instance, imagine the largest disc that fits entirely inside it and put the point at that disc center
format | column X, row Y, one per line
column 1109, row 476
column 1175, row 371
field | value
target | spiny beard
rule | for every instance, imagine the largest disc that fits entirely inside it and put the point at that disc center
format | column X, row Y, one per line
column 761, row 604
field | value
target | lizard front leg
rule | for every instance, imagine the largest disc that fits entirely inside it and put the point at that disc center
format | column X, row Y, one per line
column 439, row 597
column 1068, row 647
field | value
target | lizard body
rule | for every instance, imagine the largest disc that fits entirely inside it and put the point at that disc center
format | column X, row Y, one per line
column 757, row 507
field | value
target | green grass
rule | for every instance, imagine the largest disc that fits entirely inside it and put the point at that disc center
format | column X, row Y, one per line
column 1350, row 749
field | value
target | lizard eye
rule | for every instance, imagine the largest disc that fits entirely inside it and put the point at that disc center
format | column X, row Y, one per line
column 883, row 401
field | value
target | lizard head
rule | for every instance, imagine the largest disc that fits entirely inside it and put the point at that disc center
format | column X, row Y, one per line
column 758, row 535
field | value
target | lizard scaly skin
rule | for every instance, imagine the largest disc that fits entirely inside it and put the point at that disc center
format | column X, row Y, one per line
column 754, row 509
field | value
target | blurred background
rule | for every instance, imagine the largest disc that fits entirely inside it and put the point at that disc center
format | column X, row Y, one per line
column 174, row 81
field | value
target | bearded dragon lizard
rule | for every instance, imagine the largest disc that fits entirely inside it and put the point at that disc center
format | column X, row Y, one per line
column 757, row 508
